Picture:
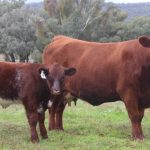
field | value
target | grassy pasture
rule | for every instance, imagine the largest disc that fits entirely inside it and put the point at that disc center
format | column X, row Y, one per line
column 105, row 127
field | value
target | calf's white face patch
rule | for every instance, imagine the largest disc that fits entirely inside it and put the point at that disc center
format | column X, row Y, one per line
column 42, row 74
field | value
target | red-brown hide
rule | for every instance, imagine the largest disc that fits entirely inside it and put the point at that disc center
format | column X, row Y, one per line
column 35, row 85
column 106, row 72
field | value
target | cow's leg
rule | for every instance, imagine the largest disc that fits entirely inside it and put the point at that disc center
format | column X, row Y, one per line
column 33, row 119
column 135, row 114
column 136, row 125
column 43, row 131
column 59, row 116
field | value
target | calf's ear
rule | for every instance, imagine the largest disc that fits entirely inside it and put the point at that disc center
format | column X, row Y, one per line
column 43, row 73
column 70, row 71
column 144, row 41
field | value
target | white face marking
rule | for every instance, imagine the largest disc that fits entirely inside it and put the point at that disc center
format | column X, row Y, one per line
column 50, row 103
column 43, row 76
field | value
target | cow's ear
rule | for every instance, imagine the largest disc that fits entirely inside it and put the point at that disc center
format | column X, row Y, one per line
column 43, row 73
column 144, row 41
column 70, row 71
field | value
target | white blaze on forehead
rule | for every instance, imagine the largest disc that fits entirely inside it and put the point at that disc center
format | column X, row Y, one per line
column 50, row 103
column 43, row 76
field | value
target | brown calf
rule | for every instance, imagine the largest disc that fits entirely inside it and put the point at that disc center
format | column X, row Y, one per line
column 36, row 85
column 106, row 72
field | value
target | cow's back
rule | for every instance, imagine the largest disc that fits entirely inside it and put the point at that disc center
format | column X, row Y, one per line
column 101, row 67
column 66, row 50
column 17, row 78
column 8, row 87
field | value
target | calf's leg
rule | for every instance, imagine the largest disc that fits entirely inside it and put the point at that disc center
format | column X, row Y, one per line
column 42, row 128
column 56, row 114
column 33, row 119
column 135, row 114
column 59, row 116
column 52, row 116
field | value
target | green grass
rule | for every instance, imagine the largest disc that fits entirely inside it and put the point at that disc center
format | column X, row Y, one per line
column 86, row 128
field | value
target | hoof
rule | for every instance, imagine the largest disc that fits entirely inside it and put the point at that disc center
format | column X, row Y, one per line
column 51, row 128
column 59, row 129
column 35, row 141
column 45, row 137
column 138, row 137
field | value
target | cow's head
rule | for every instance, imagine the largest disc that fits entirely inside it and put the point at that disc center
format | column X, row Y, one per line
column 55, row 76
column 144, row 41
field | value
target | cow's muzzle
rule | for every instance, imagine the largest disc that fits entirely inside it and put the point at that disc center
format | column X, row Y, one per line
column 56, row 88
column 56, row 92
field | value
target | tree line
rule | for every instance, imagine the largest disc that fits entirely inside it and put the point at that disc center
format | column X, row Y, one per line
column 136, row 9
column 25, row 31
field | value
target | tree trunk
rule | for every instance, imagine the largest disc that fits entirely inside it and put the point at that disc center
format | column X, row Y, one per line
column 21, row 58
column 27, row 58
column 12, row 57
column 7, row 58
column 77, row 2
column 59, row 17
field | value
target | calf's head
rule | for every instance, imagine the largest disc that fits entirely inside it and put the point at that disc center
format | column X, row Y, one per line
column 55, row 77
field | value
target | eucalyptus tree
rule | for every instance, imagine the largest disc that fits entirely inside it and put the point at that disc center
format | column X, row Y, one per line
column 84, row 19
column 8, row 5
column 17, row 32
column 136, row 27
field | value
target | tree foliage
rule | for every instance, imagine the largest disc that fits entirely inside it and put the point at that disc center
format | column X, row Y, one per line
column 84, row 19
column 23, row 30
column 17, row 32
column 136, row 27
column 7, row 6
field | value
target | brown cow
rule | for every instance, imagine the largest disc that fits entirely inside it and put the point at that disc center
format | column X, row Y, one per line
column 106, row 72
column 35, row 85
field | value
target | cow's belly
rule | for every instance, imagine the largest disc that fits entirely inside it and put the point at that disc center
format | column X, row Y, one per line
column 6, row 103
column 96, row 92
column 144, row 98
column 144, row 102
column 97, row 100
column 95, row 96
